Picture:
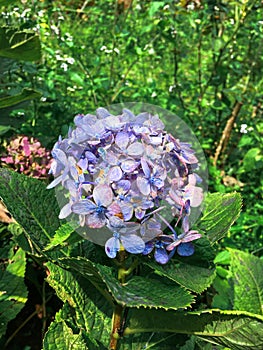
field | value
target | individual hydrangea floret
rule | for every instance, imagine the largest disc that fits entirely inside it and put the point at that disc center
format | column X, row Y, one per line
column 26, row 155
column 122, row 172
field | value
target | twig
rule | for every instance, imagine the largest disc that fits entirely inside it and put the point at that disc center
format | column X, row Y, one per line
column 227, row 132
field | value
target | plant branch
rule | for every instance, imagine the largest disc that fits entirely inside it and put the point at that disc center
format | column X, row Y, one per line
column 227, row 132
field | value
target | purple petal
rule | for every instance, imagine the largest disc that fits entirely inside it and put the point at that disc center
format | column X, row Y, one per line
column 115, row 173
column 55, row 182
column 148, row 248
column 65, row 211
column 133, row 244
column 129, row 165
column 96, row 220
column 111, row 158
column 135, row 149
column 185, row 249
column 161, row 256
column 113, row 123
column 145, row 168
column 102, row 195
column 84, row 207
column 191, row 236
column 102, row 113
column 143, row 185
column 195, row 194
column 127, row 210
column 139, row 213
column 83, row 163
column 123, row 186
column 112, row 247
column 122, row 140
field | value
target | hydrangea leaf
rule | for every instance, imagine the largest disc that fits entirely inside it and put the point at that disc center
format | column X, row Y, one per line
column 233, row 329
column 25, row 95
column 92, row 312
column 31, row 205
column 61, row 336
column 137, row 292
column 19, row 45
column 220, row 212
column 13, row 291
column 194, row 278
column 62, row 236
column 246, row 275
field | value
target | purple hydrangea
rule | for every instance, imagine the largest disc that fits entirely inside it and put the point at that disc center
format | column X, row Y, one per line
column 122, row 173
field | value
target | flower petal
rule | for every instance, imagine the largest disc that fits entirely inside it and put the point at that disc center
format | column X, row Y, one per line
column 112, row 247
column 185, row 249
column 115, row 173
column 132, row 243
column 96, row 220
column 84, row 207
column 122, row 140
column 143, row 185
column 129, row 165
column 135, row 149
column 148, row 248
column 161, row 256
column 65, row 211
column 102, row 195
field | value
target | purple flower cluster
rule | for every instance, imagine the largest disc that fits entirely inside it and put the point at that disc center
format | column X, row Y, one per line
column 124, row 172
column 27, row 156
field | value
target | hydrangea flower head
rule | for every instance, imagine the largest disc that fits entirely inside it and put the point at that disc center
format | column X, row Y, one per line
column 125, row 176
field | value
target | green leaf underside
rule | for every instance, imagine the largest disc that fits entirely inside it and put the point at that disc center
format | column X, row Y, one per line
column 25, row 95
column 32, row 206
column 194, row 278
column 92, row 313
column 233, row 329
column 137, row 292
column 13, row 291
column 246, row 272
column 19, row 45
column 221, row 211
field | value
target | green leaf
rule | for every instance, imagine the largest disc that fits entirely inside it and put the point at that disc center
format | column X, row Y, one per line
column 194, row 278
column 25, row 95
column 91, row 311
column 61, row 336
column 13, row 292
column 138, row 291
column 4, row 128
column 62, row 235
column 233, row 329
column 31, row 205
column 246, row 271
column 7, row 2
column 221, row 211
column 19, row 45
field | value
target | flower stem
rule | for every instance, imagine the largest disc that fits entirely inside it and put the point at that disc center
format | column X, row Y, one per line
column 116, row 325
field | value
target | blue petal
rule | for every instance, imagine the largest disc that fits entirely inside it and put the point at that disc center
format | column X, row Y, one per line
column 84, row 207
column 133, row 244
column 148, row 248
column 112, row 247
column 161, row 256
column 185, row 249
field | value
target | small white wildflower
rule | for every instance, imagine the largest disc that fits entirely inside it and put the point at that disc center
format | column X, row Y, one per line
column 151, row 51
column 243, row 128
column 154, row 94
column 70, row 60
column 64, row 66
column 117, row 51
